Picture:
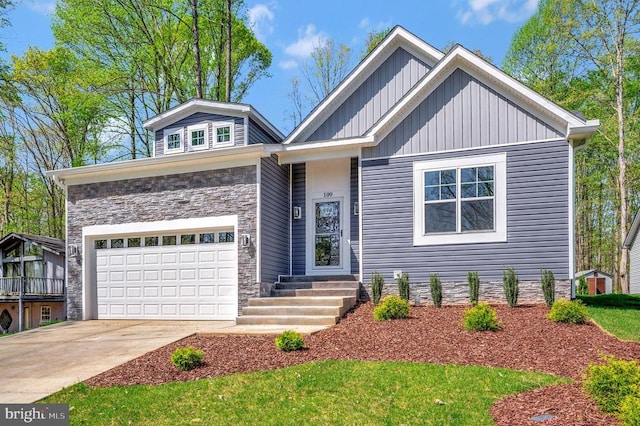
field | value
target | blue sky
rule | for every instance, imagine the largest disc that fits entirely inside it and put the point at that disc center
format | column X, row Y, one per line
column 291, row 29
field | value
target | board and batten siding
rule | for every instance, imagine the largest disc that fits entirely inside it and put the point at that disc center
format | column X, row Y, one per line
column 463, row 113
column 634, row 267
column 274, row 216
column 258, row 135
column 537, row 219
column 298, row 199
column 375, row 96
column 200, row 118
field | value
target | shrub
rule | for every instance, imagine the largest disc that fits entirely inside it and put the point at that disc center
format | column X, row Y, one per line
column 548, row 286
column 583, row 287
column 627, row 301
column 510, row 286
column 572, row 312
column 474, row 286
column 187, row 358
column 630, row 408
column 377, row 282
column 611, row 383
column 403, row 286
column 481, row 317
column 391, row 307
column 436, row 290
column 289, row 340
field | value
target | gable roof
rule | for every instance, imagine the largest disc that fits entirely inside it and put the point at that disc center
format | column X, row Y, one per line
column 591, row 271
column 53, row 245
column 215, row 107
column 397, row 37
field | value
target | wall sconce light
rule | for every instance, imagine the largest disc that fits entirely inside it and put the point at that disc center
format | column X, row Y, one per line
column 73, row 250
column 356, row 208
column 297, row 213
column 245, row 240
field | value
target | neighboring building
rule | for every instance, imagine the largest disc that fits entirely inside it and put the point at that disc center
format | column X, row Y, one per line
column 417, row 162
column 33, row 270
column 634, row 256
column 598, row 281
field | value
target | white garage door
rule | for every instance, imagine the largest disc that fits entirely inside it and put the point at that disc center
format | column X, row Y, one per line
column 187, row 277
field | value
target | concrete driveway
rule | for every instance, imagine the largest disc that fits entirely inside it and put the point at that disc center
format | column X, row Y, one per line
column 39, row 362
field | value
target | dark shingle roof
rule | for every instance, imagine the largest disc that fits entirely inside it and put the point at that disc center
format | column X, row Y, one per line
column 54, row 245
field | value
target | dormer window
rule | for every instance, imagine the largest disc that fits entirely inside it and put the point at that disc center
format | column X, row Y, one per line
column 173, row 141
column 198, row 137
column 224, row 134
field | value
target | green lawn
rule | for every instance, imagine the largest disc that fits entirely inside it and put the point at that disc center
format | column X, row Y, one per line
column 320, row 393
column 619, row 314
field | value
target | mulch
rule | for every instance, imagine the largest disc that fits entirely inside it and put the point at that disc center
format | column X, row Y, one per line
column 526, row 341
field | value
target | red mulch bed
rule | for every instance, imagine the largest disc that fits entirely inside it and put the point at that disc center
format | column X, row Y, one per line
column 527, row 341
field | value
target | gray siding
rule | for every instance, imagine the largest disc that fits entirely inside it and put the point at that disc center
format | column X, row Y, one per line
column 390, row 82
column 198, row 118
column 463, row 113
column 298, row 188
column 54, row 265
column 537, row 219
column 634, row 268
column 354, row 222
column 258, row 135
column 274, row 216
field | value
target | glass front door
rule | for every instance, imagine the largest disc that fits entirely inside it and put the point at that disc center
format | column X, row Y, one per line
column 328, row 233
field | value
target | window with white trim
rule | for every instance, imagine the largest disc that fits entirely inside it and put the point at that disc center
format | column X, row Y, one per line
column 223, row 134
column 173, row 141
column 461, row 200
column 45, row 314
column 198, row 136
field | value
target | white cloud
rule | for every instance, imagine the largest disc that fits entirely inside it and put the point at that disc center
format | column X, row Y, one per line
column 260, row 17
column 364, row 23
column 42, row 7
column 288, row 64
column 308, row 40
column 488, row 11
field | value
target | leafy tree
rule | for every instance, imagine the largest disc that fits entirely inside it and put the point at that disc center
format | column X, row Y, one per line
column 374, row 39
column 328, row 66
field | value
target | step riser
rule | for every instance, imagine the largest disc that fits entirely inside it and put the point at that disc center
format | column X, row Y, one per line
column 314, row 292
column 303, row 301
column 309, row 278
column 293, row 310
column 286, row 320
column 317, row 285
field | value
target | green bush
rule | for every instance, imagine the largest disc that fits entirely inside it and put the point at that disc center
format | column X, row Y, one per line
column 583, row 287
column 403, row 286
column 436, row 290
column 630, row 408
column 611, row 383
column 289, row 340
column 391, row 307
column 548, row 286
column 474, row 286
column 572, row 312
column 187, row 358
column 481, row 317
column 510, row 286
column 377, row 283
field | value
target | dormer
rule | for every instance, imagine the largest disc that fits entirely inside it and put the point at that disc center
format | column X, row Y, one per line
column 201, row 125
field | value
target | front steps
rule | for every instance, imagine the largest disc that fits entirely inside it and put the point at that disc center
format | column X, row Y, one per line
column 302, row 300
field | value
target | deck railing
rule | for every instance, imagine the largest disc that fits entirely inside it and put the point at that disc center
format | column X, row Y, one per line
column 31, row 286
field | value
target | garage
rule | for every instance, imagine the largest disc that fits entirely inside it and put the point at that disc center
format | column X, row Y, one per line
column 180, row 275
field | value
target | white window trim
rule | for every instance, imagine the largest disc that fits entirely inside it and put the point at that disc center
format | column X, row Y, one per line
column 41, row 313
column 173, row 131
column 197, row 127
column 216, row 126
column 499, row 234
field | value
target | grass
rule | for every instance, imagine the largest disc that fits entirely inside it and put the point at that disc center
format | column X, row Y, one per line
column 318, row 393
column 619, row 314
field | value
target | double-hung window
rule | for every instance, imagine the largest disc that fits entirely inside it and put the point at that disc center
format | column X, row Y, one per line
column 223, row 134
column 461, row 200
column 198, row 137
column 173, row 141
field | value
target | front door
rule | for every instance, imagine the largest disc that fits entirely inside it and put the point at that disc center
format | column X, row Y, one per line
column 328, row 234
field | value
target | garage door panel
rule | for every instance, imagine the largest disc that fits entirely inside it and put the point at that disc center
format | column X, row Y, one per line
column 195, row 281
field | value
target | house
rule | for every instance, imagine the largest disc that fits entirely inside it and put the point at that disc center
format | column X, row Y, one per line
column 32, row 290
column 418, row 162
column 634, row 256
column 598, row 281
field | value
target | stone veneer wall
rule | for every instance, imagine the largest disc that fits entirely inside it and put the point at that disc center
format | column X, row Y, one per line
column 458, row 292
column 180, row 196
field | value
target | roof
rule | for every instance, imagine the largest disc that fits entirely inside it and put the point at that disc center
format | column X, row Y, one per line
column 591, row 271
column 53, row 245
column 202, row 105
column 633, row 231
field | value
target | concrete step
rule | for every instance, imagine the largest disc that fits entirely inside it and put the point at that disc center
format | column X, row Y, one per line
column 306, row 278
column 316, row 284
column 347, row 292
column 303, row 301
column 294, row 310
column 287, row 320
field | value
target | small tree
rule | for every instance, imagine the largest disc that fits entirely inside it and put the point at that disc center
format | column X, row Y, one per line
column 403, row 286
column 583, row 287
column 510, row 286
column 474, row 286
column 436, row 290
column 548, row 286
column 377, row 282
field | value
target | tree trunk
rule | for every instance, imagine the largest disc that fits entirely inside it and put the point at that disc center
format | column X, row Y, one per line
column 228, row 77
column 196, row 48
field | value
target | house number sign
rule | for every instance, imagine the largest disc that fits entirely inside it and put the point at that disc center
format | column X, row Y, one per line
column 328, row 194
